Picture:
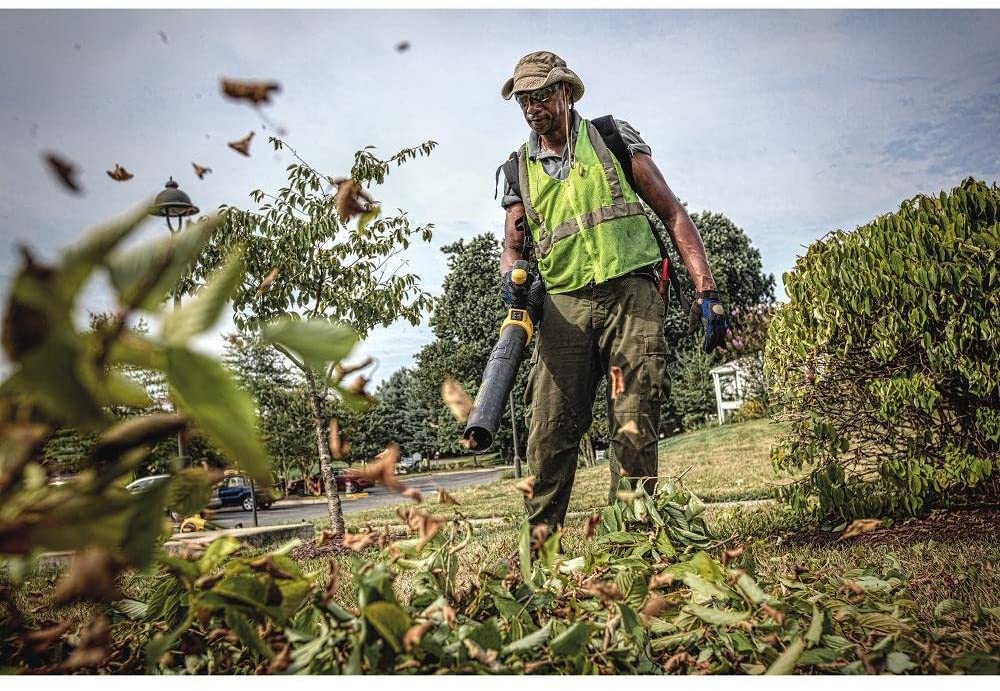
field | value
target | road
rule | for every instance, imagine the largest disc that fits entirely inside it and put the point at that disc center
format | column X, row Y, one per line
column 285, row 513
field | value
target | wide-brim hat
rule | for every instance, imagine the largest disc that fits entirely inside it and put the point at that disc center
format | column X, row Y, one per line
column 539, row 69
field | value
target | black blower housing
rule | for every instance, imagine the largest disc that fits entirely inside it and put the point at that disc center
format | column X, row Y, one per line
column 498, row 379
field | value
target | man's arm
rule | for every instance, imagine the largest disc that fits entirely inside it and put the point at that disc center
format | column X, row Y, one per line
column 654, row 191
column 513, row 237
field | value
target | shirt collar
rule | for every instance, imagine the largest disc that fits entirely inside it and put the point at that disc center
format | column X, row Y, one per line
column 534, row 145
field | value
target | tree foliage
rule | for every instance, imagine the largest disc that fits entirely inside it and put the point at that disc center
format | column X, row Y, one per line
column 887, row 358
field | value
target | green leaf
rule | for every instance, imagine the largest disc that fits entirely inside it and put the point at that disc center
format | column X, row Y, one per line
column 748, row 586
column 487, row 635
column 143, row 276
column 189, row 490
column 389, row 620
column 367, row 217
column 524, row 551
column 948, row 606
column 899, row 663
column 319, row 343
column 247, row 633
column 785, row 664
column 573, row 640
column 815, row 632
column 719, row 617
column 199, row 313
column 216, row 554
column 532, row 640
column 206, row 392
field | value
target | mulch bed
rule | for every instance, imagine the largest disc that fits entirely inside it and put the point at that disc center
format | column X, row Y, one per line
column 966, row 525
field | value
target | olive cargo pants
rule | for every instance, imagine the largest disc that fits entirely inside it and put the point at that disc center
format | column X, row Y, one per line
column 582, row 335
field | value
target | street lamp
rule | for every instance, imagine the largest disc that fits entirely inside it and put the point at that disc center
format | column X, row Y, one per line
column 172, row 203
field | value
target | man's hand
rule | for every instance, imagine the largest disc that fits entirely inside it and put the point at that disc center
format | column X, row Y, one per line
column 707, row 311
column 514, row 295
column 536, row 298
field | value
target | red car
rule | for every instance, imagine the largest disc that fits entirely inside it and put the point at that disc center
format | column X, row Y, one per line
column 348, row 482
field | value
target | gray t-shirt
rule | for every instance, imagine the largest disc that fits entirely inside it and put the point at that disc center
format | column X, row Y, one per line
column 557, row 165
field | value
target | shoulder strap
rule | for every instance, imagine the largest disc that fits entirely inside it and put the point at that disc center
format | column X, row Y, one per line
column 509, row 168
column 612, row 136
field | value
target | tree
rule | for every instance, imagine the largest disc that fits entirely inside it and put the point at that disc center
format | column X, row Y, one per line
column 399, row 415
column 303, row 261
column 740, row 276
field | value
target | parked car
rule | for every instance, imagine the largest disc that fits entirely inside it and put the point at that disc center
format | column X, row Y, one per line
column 235, row 490
column 348, row 482
column 409, row 464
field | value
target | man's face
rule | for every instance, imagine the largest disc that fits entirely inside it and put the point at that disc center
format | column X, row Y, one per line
column 544, row 109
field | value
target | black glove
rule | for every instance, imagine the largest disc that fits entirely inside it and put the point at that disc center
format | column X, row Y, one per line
column 536, row 298
column 514, row 295
column 707, row 310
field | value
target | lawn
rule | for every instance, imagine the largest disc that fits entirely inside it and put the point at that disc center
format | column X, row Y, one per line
column 727, row 463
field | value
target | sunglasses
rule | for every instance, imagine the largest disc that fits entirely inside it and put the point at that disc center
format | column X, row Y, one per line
column 538, row 95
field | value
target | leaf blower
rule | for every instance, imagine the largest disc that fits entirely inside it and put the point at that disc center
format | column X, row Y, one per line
column 501, row 369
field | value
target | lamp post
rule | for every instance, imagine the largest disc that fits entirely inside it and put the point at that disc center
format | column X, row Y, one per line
column 172, row 203
column 513, row 429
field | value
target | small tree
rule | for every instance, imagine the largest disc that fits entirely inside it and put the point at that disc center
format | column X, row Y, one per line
column 303, row 261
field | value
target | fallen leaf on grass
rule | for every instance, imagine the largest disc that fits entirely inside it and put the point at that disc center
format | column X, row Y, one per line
column 280, row 662
column 676, row 661
column 63, row 169
column 485, row 657
column 654, row 606
column 852, row 587
column 770, row 611
column 590, row 525
column 527, row 486
column 415, row 634
column 119, row 174
column 862, row 525
column 256, row 92
column 730, row 554
column 617, row 381
column 242, row 146
column 93, row 647
column 200, row 171
column 456, row 399
column 445, row 498
column 412, row 493
column 661, row 580
column 331, row 584
column 90, row 578
column 266, row 283
column 358, row 542
column 41, row 640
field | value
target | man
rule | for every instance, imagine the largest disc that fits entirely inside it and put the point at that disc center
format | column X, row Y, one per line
column 602, row 312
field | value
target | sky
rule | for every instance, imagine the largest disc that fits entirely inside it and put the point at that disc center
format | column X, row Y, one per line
column 792, row 123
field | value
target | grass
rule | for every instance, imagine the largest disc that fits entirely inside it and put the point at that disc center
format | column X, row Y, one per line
column 727, row 463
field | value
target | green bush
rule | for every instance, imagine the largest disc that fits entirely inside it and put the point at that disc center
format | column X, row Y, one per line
column 886, row 359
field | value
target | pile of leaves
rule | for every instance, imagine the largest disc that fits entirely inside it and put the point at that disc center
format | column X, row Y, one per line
column 647, row 597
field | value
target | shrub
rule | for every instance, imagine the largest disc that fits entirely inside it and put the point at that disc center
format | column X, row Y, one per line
column 886, row 359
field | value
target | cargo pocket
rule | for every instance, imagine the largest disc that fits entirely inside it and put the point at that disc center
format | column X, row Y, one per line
column 656, row 384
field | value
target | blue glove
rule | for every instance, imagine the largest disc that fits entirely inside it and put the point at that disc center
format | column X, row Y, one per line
column 514, row 295
column 707, row 311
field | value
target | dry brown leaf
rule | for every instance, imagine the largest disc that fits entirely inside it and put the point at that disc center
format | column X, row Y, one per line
column 119, row 174
column 485, row 657
column 90, row 578
column 338, row 447
column 675, row 661
column 350, row 199
column 653, row 606
column 358, row 542
column 445, row 498
column 730, row 554
column 266, row 283
column 402, row 46
column 456, row 399
column 629, row 429
column 661, row 580
column 341, row 370
column 331, row 584
column 527, row 486
column 590, row 525
column 466, row 443
column 770, row 611
column 616, row 378
column 449, row 615
column 280, row 662
column 41, row 640
column 412, row 493
column 64, row 169
column 256, row 92
column 424, row 524
column 852, row 586
column 200, row 171
column 862, row 525
column 605, row 592
column 539, row 534
column 93, row 647
column 357, row 387
column 414, row 634
column 242, row 146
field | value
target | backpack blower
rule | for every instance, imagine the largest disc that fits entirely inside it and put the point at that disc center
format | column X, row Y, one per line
column 501, row 369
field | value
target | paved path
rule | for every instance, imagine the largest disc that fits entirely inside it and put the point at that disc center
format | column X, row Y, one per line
column 296, row 511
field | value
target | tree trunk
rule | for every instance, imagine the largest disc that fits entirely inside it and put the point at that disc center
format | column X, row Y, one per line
column 322, row 443
column 586, row 452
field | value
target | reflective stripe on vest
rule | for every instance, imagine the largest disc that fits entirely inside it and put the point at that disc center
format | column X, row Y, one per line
column 590, row 227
